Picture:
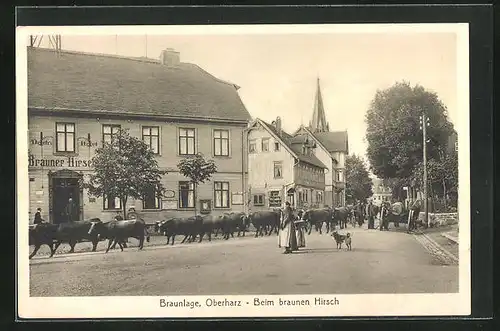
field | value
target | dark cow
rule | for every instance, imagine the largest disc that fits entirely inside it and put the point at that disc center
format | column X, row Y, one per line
column 120, row 231
column 212, row 224
column 236, row 221
column 341, row 216
column 316, row 218
column 262, row 219
column 54, row 235
column 190, row 227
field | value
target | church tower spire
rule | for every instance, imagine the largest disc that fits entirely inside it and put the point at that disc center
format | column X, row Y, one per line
column 318, row 122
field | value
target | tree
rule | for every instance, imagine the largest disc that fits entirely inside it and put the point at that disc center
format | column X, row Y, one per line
column 442, row 176
column 197, row 169
column 393, row 134
column 358, row 181
column 124, row 168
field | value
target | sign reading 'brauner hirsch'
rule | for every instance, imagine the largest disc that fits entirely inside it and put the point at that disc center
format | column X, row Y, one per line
column 69, row 162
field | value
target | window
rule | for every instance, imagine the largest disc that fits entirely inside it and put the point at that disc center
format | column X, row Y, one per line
column 111, row 203
column 65, row 141
column 339, row 175
column 277, row 146
column 265, row 145
column 319, row 197
column 456, row 146
column 258, row 200
column 221, row 190
column 278, row 169
column 186, row 195
column 221, row 142
column 151, row 137
column 252, row 146
column 151, row 200
column 109, row 132
column 186, row 141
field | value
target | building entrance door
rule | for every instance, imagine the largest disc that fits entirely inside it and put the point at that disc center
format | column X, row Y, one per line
column 65, row 196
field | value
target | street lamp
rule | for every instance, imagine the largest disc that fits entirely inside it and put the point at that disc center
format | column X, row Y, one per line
column 424, row 123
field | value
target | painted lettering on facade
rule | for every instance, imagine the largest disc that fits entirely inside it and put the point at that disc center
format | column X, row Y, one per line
column 43, row 142
column 69, row 162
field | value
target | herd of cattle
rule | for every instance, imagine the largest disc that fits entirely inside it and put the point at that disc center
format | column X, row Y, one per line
column 119, row 231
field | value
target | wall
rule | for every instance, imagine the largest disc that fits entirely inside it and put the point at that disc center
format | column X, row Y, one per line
column 436, row 220
column 261, row 164
column 309, row 176
column 229, row 167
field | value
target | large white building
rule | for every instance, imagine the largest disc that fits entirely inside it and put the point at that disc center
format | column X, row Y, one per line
column 77, row 101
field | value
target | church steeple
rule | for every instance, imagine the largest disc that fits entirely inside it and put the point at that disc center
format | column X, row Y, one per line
column 318, row 122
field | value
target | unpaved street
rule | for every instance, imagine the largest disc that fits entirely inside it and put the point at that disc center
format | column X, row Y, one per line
column 380, row 262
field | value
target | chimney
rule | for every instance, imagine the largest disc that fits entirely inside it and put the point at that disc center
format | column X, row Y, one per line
column 278, row 125
column 170, row 57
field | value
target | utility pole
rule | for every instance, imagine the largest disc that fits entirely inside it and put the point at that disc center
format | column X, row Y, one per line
column 424, row 123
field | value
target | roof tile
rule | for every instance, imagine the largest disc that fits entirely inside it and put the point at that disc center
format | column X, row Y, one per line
column 96, row 82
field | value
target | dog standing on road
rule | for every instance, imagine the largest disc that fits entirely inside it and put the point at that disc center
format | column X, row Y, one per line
column 341, row 238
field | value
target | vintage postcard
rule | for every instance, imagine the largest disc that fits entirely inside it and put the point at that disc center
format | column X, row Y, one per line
column 243, row 171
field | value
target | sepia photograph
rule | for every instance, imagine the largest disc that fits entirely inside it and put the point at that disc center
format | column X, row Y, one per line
column 216, row 171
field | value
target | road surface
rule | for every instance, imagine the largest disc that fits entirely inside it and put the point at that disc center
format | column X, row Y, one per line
column 380, row 262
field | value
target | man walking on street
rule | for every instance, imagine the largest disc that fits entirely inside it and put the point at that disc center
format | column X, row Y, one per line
column 370, row 214
column 288, row 237
column 38, row 216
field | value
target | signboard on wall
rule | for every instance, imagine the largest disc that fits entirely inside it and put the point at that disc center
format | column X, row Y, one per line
column 64, row 162
column 237, row 198
column 274, row 199
column 205, row 206
column 169, row 204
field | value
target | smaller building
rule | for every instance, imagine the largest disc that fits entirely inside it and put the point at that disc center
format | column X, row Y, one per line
column 280, row 169
column 381, row 193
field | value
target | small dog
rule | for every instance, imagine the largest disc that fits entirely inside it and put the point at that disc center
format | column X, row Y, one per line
column 341, row 238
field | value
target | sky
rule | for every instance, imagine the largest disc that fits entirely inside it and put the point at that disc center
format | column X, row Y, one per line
column 277, row 73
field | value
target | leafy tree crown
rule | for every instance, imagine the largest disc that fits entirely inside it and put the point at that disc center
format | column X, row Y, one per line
column 125, row 167
column 393, row 129
column 197, row 169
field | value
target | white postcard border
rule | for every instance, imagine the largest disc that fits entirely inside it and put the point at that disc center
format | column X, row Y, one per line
column 149, row 307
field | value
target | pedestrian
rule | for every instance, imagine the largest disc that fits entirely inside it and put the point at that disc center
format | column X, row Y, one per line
column 38, row 216
column 370, row 214
column 384, row 214
column 300, row 232
column 287, row 236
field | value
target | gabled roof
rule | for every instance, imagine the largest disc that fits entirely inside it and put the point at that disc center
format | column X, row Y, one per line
column 333, row 141
column 336, row 141
column 114, row 84
column 286, row 139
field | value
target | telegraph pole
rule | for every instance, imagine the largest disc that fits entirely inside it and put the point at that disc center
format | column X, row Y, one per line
column 424, row 123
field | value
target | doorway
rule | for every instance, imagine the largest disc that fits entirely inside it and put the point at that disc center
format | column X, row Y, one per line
column 65, row 196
